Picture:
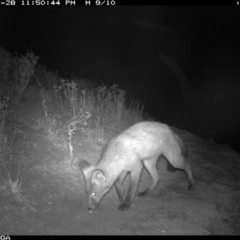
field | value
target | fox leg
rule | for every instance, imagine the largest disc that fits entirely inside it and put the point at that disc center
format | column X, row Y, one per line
column 119, row 186
column 132, row 190
column 151, row 167
column 188, row 171
column 181, row 163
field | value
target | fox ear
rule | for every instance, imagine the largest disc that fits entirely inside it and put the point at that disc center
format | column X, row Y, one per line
column 84, row 164
column 98, row 177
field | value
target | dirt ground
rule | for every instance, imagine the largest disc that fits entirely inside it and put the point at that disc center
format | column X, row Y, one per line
column 53, row 201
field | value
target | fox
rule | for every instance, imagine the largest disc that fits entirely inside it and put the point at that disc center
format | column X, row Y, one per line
column 141, row 145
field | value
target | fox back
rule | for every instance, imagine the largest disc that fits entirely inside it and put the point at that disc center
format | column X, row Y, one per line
column 140, row 145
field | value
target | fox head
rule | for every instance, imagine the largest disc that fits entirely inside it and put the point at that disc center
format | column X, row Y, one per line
column 96, row 181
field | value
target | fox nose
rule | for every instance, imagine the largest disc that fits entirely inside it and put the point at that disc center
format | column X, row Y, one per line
column 89, row 210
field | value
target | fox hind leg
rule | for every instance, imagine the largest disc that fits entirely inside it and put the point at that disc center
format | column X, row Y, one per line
column 179, row 161
column 188, row 171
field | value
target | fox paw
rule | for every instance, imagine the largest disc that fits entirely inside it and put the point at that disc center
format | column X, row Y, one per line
column 191, row 187
column 123, row 207
column 142, row 194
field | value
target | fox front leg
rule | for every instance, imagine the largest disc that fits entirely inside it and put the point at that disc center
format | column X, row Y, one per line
column 119, row 187
column 132, row 190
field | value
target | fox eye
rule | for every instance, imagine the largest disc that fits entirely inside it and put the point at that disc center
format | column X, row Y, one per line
column 93, row 194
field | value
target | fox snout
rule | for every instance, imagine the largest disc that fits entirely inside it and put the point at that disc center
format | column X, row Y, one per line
column 91, row 207
column 92, row 203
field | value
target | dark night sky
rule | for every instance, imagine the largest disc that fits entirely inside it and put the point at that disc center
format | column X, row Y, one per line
column 86, row 40
column 107, row 45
